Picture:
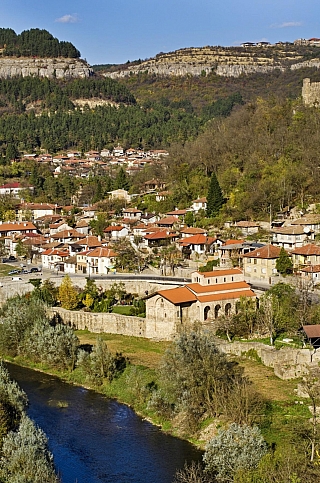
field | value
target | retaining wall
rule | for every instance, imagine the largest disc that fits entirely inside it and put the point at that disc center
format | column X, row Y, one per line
column 287, row 362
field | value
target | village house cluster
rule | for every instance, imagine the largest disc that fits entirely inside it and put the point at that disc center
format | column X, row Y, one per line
column 43, row 230
column 82, row 165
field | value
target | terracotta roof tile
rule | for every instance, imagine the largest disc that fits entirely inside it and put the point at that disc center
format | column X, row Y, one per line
column 226, row 296
column 308, row 249
column 178, row 295
column 221, row 273
column 219, row 287
column 266, row 252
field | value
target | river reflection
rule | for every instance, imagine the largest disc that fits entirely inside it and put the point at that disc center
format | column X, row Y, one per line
column 94, row 439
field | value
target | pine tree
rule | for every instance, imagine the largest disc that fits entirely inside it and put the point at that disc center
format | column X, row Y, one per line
column 215, row 198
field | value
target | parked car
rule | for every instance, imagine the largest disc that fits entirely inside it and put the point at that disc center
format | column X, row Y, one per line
column 9, row 259
column 12, row 272
column 34, row 270
column 16, row 279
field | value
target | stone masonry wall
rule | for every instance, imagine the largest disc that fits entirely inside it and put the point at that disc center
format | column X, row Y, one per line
column 112, row 324
column 287, row 363
column 311, row 92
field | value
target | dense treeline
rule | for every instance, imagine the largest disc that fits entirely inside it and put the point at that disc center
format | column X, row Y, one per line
column 96, row 129
column 200, row 91
column 35, row 43
column 18, row 92
column 264, row 155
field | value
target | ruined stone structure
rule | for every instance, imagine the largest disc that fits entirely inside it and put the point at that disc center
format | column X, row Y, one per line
column 51, row 68
column 311, row 92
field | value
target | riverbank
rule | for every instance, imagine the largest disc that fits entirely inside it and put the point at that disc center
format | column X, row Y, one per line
column 133, row 386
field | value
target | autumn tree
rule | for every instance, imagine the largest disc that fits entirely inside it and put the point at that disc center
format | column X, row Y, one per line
column 67, row 294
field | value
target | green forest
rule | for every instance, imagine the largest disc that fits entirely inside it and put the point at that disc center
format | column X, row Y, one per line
column 34, row 43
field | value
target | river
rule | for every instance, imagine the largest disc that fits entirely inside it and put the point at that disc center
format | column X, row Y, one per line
column 98, row 440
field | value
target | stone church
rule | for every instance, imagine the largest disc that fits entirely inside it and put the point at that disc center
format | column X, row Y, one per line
column 207, row 297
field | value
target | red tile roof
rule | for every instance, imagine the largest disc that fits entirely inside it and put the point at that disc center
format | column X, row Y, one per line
column 266, row 252
column 178, row 295
column 102, row 252
column 197, row 240
column 226, row 296
column 308, row 249
column 221, row 273
column 218, row 287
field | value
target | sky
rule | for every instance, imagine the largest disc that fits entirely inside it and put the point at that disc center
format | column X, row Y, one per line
column 115, row 31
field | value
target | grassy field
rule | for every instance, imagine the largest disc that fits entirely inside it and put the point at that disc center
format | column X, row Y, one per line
column 146, row 352
column 141, row 352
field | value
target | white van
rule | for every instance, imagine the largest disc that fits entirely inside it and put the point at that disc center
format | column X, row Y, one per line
column 16, row 279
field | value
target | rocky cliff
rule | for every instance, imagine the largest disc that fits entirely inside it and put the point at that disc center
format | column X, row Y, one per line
column 223, row 61
column 52, row 68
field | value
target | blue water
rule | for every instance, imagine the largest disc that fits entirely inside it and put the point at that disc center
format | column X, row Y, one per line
column 95, row 439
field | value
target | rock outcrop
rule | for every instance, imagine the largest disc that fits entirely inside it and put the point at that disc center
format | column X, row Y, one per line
column 51, row 68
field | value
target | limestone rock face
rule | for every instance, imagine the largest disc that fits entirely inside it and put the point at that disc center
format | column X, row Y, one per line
column 51, row 68
column 196, row 69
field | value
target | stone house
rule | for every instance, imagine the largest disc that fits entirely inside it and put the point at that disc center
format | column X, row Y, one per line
column 247, row 227
column 261, row 263
column 167, row 310
column 132, row 213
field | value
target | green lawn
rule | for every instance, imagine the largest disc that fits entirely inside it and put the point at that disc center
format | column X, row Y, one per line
column 122, row 309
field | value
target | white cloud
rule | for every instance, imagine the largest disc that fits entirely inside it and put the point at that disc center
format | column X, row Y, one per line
column 68, row 19
column 284, row 25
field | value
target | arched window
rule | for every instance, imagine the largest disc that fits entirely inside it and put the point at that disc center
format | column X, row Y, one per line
column 206, row 312
column 227, row 309
column 216, row 311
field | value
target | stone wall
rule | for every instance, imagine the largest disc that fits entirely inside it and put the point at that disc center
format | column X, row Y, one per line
column 287, row 362
column 52, row 68
column 311, row 92
column 111, row 324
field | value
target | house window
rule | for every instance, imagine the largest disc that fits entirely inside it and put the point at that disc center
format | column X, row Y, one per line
column 224, row 279
column 209, row 281
column 255, row 261
column 248, row 260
